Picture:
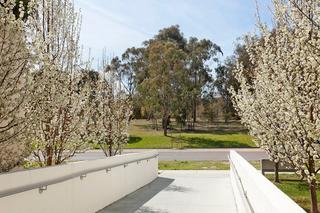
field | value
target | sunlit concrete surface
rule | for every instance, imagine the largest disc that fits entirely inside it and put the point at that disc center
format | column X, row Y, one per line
column 181, row 192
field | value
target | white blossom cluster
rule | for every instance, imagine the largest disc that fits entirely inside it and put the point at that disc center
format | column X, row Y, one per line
column 111, row 113
column 45, row 99
column 281, row 106
column 55, row 109
column 14, row 68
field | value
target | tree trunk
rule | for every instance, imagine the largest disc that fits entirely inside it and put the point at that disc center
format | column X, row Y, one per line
column 313, row 187
column 156, row 124
column 276, row 172
column 194, row 111
column 195, row 96
column 49, row 151
column 313, row 194
column 110, row 150
column 165, row 131
column 110, row 140
column 165, row 125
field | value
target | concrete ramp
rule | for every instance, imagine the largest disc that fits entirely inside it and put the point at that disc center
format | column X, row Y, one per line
column 181, row 192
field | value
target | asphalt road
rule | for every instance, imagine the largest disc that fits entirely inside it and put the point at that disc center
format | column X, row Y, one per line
column 186, row 154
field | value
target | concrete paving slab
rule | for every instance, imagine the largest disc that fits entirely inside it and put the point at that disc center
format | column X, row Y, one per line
column 181, row 192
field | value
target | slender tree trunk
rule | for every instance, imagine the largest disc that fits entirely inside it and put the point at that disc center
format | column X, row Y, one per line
column 313, row 187
column 165, row 125
column 276, row 172
column 103, row 149
column 194, row 111
column 313, row 194
column 110, row 141
column 49, row 148
column 156, row 124
column 49, row 151
column 165, row 131
column 194, row 102
column 110, row 150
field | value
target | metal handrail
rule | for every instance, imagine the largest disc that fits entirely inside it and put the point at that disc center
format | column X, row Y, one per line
column 241, row 184
column 42, row 185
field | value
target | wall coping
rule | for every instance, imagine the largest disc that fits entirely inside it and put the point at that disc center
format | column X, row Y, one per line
column 21, row 181
column 259, row 194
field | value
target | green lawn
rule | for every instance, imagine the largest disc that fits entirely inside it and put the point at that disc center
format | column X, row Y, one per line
column 219, row 135
column 198, row 165
column 193, row 165
column 296, row 189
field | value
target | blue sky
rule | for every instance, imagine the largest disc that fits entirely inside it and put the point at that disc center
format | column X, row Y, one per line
column 111, row 26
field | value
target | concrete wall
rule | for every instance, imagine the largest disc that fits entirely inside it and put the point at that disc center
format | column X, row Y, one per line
column 86, row 194
column 254, row 192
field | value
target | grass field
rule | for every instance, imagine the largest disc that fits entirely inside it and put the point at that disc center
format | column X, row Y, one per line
column 296, row 189
column 198, row 165
column 193, row 165
column 218, row 135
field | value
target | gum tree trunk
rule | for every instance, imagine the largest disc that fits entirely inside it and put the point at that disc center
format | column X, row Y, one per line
column 165, row 120
column 194, row 111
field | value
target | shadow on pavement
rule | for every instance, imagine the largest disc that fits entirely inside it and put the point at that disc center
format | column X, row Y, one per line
column 132, row 202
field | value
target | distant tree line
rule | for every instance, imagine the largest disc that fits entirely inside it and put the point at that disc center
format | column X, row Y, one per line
column 174, row 77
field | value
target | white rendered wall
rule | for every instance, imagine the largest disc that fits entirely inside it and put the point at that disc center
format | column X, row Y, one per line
column 87, row 194
column 254, row 192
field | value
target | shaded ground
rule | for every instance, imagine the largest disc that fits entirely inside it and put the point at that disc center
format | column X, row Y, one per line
column 180, row 191
column 217, row 135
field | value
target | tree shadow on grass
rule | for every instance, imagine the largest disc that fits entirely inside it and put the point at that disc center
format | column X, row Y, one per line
column 134, row 139
column 199, row 142
column 218, row 131
column 144, row 126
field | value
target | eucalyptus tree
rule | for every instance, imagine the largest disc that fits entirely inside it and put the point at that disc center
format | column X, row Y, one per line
column 139, row 65
column 170, row 34
column 200, row 52
column 225, row 75
column 133, row 67
column 223, row 81
column 166, row 68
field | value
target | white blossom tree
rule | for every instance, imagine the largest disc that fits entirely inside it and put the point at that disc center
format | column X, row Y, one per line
column 110, row 115
column 14, row 70
column 281, row 106
column 56, row 108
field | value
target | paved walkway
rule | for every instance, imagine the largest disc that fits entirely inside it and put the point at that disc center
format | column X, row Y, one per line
column 186, row 154
column 180, row 192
